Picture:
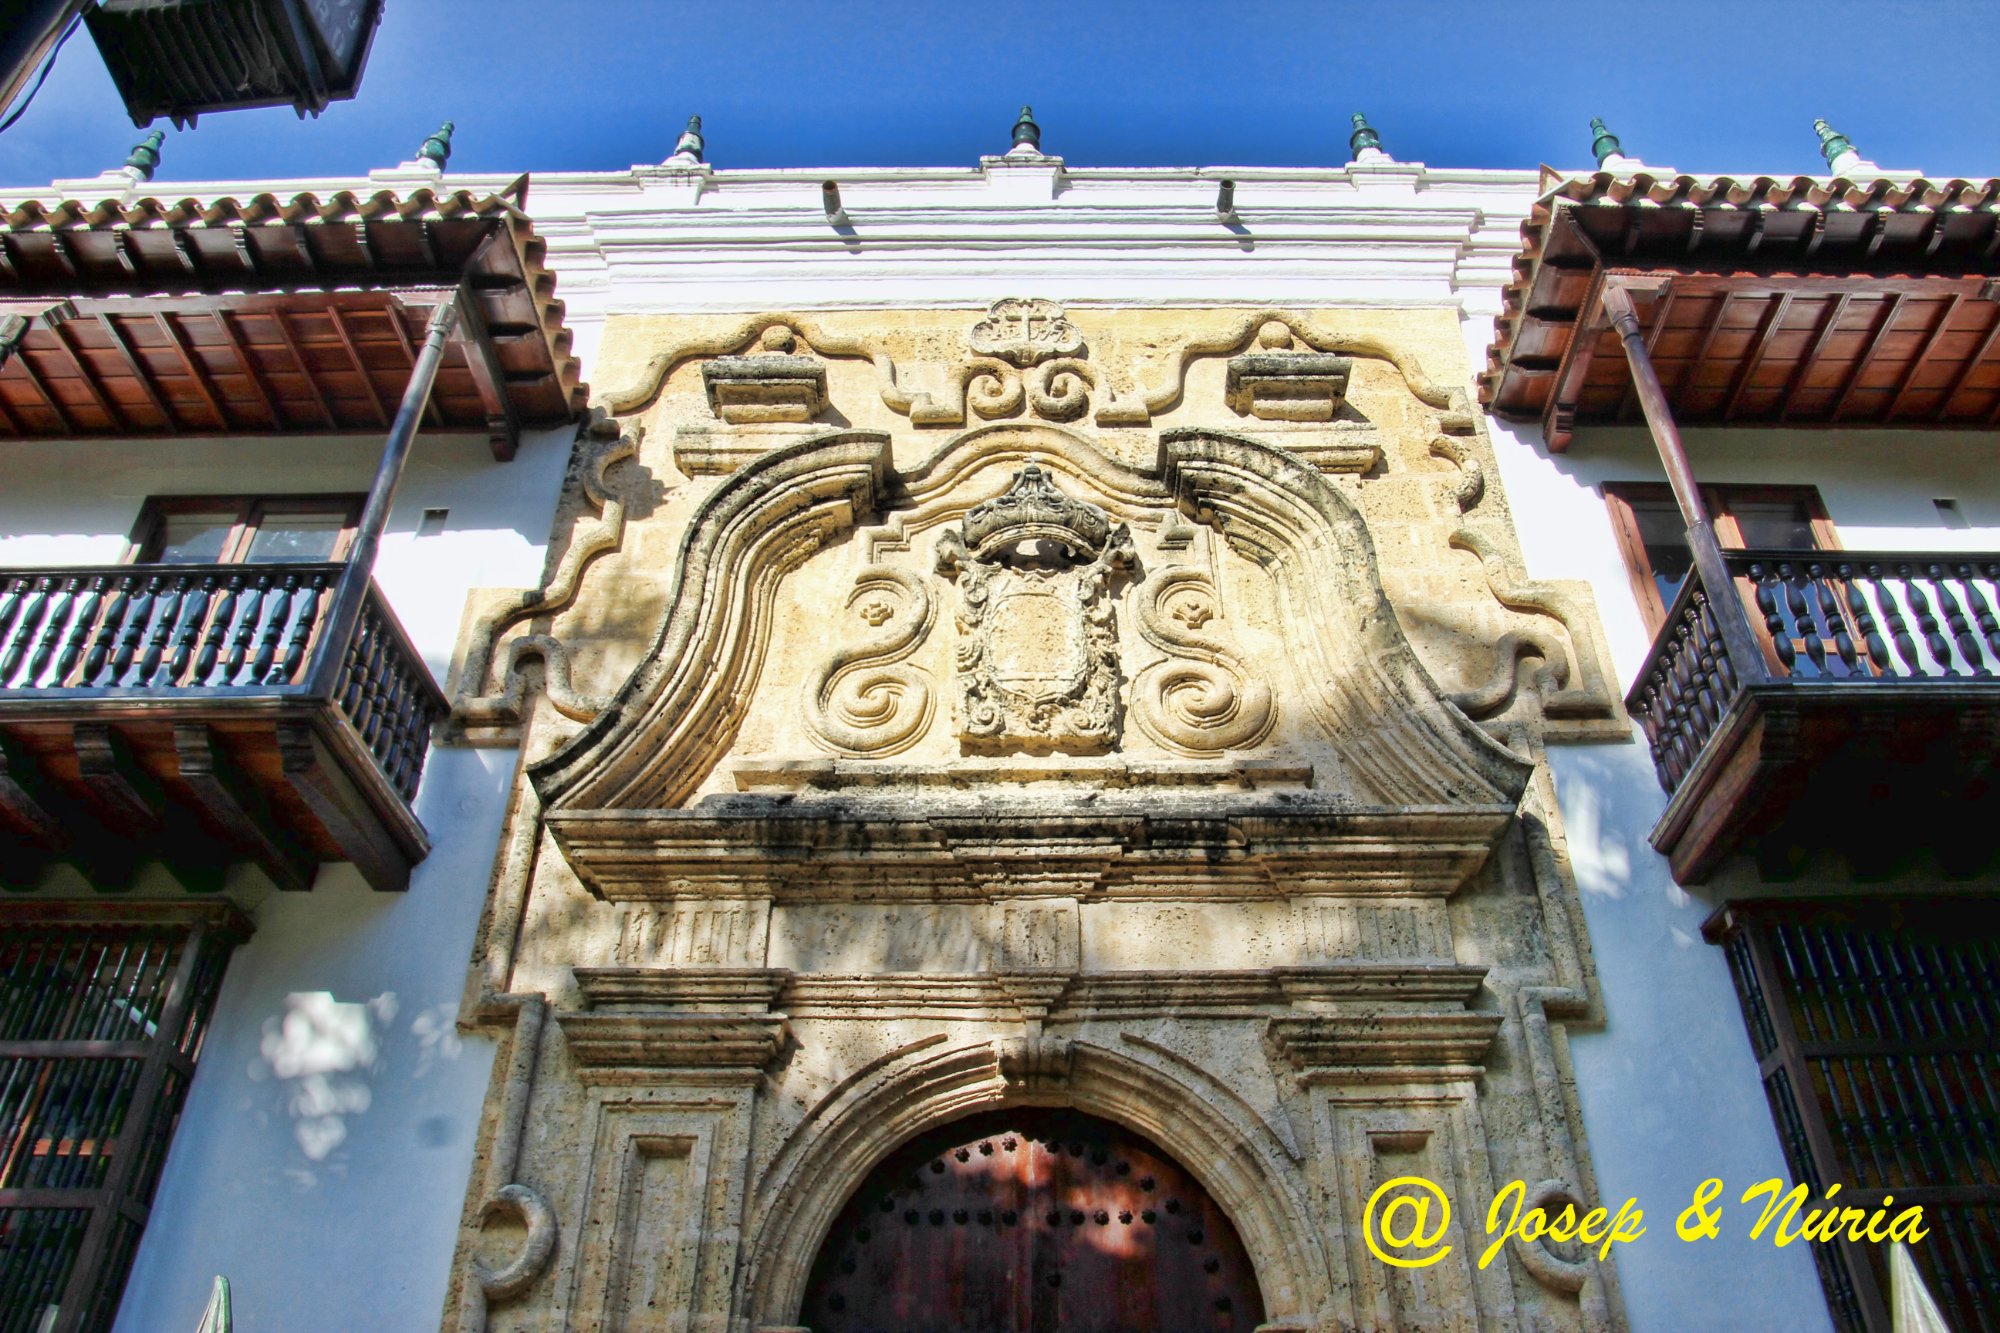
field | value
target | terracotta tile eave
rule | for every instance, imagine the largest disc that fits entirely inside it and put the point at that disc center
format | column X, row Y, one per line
column 1642, row 189
column 339, row 207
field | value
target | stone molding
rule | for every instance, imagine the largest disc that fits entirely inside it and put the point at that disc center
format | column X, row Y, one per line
column 1229, row 848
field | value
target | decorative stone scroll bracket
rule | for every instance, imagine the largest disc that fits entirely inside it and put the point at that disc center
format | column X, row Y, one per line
column 1579, row 704
column 493, row 716
column 1275, row 331
column 1028, row 351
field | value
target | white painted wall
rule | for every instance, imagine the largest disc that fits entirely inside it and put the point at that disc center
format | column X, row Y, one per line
column 322, row 1156
column 1669, row 1089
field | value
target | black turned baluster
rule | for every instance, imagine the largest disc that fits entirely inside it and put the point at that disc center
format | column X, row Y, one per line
column 370, row 723
column 108, row 626
column 194, row 614
column 1927, row 623
column 138, row 613
column 1908, row 663
column 1801, row 616
column 1955, row 618
column 1774, row 620
column 354, row 674
column 62, row 601
column 167, row 610
column 81, row 631
column 24, row 633
column 1648, row 713
column 1864, row 620
column 1723, row 669
column 218, row 630
column 249, row 618
column 306, row 608
column 1973, row 578
column 10, row 604
column 279, row 611
column 1676, row 698
column 1829, row 614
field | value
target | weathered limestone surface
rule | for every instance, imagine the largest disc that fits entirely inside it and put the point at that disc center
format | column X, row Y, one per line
column 1136, row 710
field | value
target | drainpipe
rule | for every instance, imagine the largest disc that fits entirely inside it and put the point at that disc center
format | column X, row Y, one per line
column 351, row 593
column 1710, row 567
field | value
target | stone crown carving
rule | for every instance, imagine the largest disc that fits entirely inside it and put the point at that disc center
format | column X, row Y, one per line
column 1034, row 508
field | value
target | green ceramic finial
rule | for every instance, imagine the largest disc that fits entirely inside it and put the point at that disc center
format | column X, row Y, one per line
column 146, row 154
column 437, row 149
column 1605, row 145
column 1363, row 136
column 1832, row 143
column 690, row 143
column 1026, row 131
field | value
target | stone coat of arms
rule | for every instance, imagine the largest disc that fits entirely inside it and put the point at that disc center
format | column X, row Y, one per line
column 1037, row 655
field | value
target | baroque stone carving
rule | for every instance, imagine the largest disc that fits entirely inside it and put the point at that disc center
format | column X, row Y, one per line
column 865, row 700
column 1287, row 386
column 1202, row 698
column 1037, row 655
column 1025, row 332
column 746, row 390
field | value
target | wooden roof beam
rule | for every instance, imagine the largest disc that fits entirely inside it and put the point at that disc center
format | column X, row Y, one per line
column 196, row 375
column 1767, row 328
column 305, row 371
column 1971, row 364
column 235, row 805
column 139, row 372
column 1828, row 322
column 1890, row 304
column 242, row 355
column 503, row 421
column 360, row 367
column 112, row 415
column 62, row 416
column 1921, row 359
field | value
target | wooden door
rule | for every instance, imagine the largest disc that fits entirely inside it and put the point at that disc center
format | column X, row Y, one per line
column 1034, row 1220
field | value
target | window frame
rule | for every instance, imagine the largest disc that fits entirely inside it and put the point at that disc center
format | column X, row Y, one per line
column 116, row 1208
column 1788, row 1032
column 149, row 529
column 1722, row 500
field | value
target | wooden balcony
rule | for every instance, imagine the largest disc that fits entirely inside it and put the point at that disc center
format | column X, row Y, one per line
column 1846, row 701
column 199, row 715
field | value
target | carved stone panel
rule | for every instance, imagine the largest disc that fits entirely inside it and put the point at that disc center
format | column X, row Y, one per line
column 1037, row 656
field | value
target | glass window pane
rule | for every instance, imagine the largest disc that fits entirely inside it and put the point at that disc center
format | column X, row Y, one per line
column 1664, row 536
column 195, row 538
column 296, row 537
column 1775, row 524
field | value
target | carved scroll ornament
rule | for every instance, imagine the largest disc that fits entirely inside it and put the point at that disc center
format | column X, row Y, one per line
column 1203, row 698
column 865, row 700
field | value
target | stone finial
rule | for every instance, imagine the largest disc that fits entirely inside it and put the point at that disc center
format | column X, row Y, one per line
column 436, row 150
column 1027, row 134
column 1604, row 144
column 1365, row 144
column 687, row 149
column 1842, row 158
column 145, row 157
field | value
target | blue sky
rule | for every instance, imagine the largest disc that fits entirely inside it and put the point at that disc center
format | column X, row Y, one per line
column 1700, row 85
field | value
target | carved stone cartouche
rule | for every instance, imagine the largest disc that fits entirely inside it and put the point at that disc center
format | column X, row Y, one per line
column 1037, row 655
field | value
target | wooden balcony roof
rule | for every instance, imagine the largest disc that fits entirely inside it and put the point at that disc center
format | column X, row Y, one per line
column 1806, row 302
column 269, row 315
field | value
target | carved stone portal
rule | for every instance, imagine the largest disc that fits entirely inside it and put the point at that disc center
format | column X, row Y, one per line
column 1037, row 657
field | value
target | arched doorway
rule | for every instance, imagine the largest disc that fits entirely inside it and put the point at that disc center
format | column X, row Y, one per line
column 1031, row 1220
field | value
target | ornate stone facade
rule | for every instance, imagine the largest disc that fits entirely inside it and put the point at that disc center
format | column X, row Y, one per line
column 1116, row 709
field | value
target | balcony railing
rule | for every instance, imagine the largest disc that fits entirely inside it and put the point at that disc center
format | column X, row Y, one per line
column 1828, row 631
column 160, row 632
